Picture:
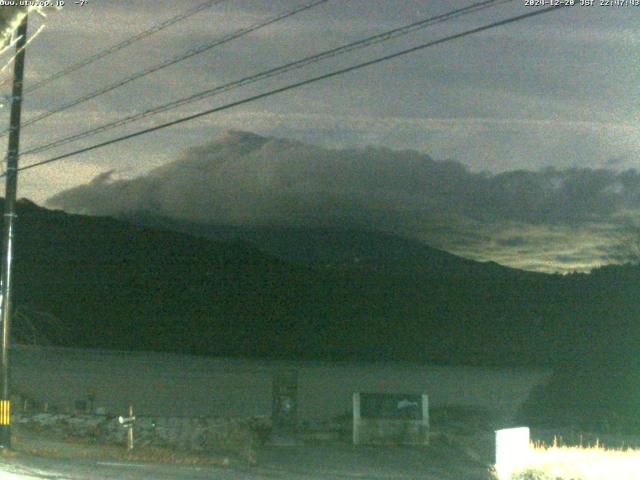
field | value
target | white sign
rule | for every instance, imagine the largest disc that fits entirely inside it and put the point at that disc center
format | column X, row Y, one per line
column 512, row 450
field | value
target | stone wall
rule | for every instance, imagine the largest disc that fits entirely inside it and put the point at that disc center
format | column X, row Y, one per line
column 230, row 435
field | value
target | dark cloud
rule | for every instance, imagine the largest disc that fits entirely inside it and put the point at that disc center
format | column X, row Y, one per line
column 246, row 179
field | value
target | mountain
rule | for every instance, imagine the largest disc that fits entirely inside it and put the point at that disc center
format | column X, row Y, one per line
column 330, row 248
column 103, row 283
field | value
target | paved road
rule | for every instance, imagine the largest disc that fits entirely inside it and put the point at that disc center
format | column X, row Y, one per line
column 39, row 468
column 289, row 463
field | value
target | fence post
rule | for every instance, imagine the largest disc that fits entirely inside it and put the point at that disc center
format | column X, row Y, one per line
column 128, row 424
column 130, row 432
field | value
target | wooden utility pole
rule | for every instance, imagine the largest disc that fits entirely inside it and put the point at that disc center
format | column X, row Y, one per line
column 6, row 286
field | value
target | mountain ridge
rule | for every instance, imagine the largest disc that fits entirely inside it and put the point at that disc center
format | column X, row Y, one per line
column 114, row 285
column 331, row 247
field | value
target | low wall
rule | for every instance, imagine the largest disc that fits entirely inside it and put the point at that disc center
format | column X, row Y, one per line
column 233, row 435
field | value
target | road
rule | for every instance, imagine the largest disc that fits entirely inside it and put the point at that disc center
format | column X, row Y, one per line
column 38, row 468
column 297, row 463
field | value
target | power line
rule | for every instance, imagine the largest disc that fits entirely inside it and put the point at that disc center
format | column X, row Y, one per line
column 125, row 43
column 366, row 42
column 294, row 85
column 172, row 61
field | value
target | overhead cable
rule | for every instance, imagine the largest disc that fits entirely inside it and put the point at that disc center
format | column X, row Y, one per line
column 366, row 42
column 295, row 85
column 123, row 44
column 172, row 61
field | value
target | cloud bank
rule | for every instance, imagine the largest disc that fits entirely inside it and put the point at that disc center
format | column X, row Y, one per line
column 550, row 219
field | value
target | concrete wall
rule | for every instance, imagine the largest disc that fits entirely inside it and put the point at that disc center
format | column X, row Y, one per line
column 181, row 385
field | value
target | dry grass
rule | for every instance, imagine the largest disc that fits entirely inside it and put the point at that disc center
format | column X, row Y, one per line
column 577, row 463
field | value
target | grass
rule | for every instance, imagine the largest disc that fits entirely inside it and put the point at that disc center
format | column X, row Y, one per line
column 576, row 463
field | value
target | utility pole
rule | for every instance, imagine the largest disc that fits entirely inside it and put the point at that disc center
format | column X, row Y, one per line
column 8, row 233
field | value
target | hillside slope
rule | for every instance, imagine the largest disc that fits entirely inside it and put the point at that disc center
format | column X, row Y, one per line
column 115, row 285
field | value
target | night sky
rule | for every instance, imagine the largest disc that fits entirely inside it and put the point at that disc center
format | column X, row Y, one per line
column 516, row 145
